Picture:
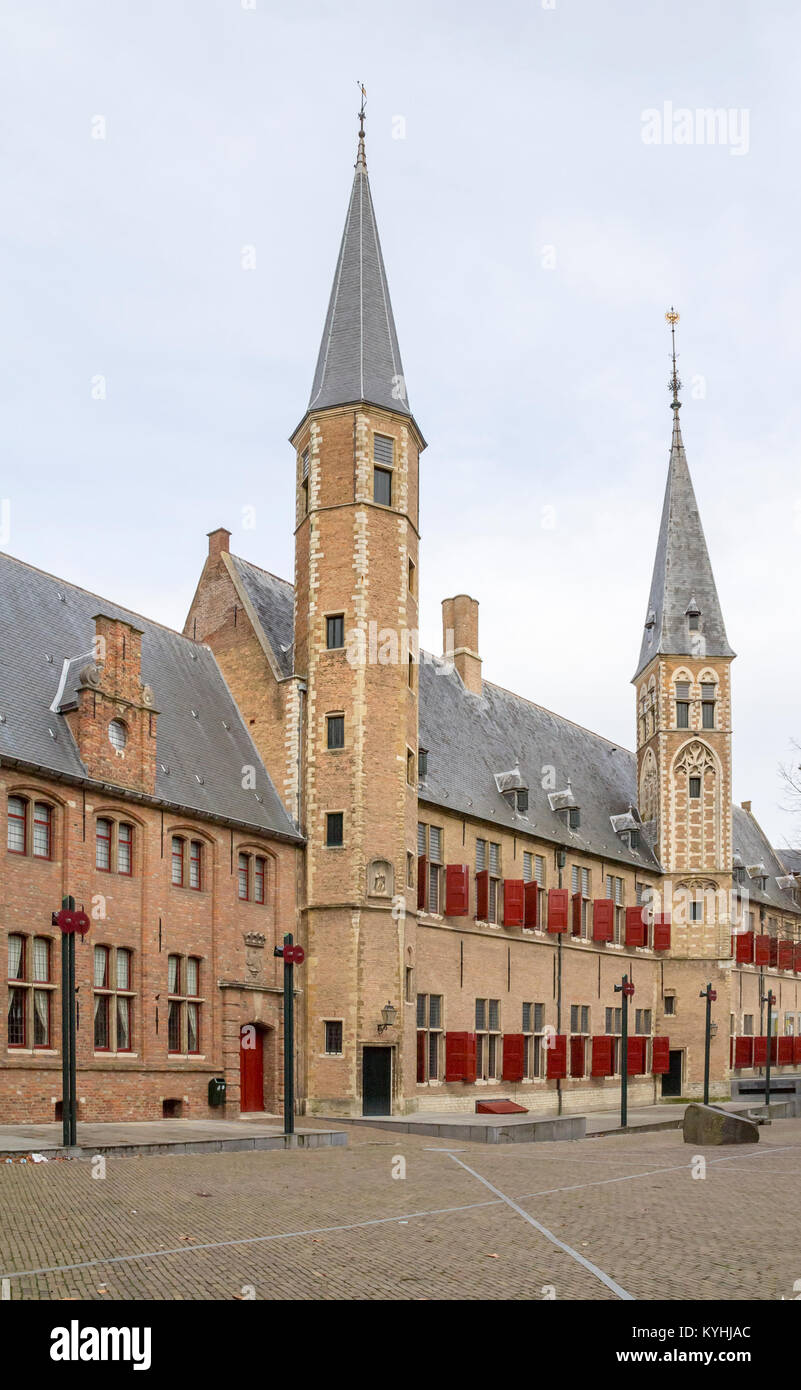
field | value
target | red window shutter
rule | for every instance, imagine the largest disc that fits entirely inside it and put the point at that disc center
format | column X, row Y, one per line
column 797, row 1049
column 514, row 1045
column 556, row 1053
column 455, row 1056
column 576, row 914
column 785, row 955
column 797, row 958
column 603, row 1055
column 731, row 1052
column 636, row 1056
column 743, row 1052
column 470, row 1058
column 482, row 895
column 744, row 948
column 635, row 927
column 762, row 950
column 662, row 932
column 457, row 890
column 513, row 902
column 660, row 1056
column 421, row 1056
column 422, row 879
column 603, row 919
column 760, row 1051
column 557, row 909
column 785, row 1051
column 531, row 907
column 577, row 1055
column 773, row 948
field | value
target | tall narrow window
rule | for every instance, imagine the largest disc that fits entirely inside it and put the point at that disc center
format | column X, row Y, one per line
column 334, row 829
column 708, row 691
column 682, row 704
column 102, row 1019
column 243, row 876
column 42, row 830
column 103, row 845
column 382, row 487
column 259, row 868
column 195, row 865
column 335, row 631
column 16, row 824
column 125, row 849
column 335, row 727
column 177, row 861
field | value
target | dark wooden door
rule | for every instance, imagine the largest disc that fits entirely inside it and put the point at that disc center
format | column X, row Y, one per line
column 251, row 1068
column 671, row 1079
column 377, row 1081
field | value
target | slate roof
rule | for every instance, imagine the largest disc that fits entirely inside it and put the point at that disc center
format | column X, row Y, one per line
column 359, row 358
column 274, row 602
column 790, row 858
column 470, row 738
column 752, row 843
column 41, row 617
column 682, row 572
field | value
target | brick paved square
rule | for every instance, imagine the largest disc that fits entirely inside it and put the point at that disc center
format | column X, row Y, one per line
column 603, row 1219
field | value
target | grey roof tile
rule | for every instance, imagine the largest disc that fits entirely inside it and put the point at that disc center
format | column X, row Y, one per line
column 36, row 624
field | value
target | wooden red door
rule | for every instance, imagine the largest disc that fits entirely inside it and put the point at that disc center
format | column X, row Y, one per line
column 251, row 1068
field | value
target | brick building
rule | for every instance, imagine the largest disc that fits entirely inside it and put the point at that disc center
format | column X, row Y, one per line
column 471, row 875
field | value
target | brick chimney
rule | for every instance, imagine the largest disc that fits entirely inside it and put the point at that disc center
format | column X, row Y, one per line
column 746, row 805
column 110, row 692
column 218, row 542
column 460, row 639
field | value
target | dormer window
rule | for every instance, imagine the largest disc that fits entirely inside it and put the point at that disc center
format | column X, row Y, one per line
column 574, row 818
column 564, row 803
column 513, row 790
column 693, row 615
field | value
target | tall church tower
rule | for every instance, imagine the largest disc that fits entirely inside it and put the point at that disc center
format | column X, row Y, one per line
column 684, row 719
column 356, row 622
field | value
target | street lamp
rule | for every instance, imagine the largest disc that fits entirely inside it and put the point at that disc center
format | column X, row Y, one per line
column 710, row 995
column 389, row 1014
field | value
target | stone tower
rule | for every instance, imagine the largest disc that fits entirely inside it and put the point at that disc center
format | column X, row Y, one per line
column 356, row 594
column 683, row 685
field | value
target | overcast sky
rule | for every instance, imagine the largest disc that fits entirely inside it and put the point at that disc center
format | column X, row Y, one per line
column 536, row 223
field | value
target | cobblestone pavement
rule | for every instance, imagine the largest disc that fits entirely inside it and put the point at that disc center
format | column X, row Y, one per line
column 336, row 1223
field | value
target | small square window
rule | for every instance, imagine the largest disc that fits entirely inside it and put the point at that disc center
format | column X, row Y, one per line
column 670, row 1003
column 382, row 486
column 333, row 1037
column 335, row 631
column 336, row 730
column 334, row 829
column 695, row 788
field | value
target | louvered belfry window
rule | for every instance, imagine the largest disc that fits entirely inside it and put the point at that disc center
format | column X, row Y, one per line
column 384, row 449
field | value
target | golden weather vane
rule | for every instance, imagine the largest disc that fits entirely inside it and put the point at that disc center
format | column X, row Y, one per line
column 674, row 384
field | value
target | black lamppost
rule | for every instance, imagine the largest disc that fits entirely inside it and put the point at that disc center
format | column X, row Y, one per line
column 710, row 995
column 627, row 990
column 69, row 922
column 770, row 1000
column 292, row 955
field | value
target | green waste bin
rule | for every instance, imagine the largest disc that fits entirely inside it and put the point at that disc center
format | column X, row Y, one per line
column 217, row 1090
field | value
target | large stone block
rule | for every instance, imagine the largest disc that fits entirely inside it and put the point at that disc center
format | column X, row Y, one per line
column 709, row 1124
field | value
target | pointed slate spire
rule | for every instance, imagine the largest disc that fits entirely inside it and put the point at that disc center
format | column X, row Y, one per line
column 359, row 358
column 684, row 617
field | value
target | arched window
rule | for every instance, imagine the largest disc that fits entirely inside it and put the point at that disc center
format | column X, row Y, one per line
column 709, row 695
column 114, row 846
column 252, row 878
column 30, row 827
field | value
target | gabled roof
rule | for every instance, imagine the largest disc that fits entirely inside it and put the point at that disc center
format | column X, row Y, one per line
column 682, row 576
column 43, row 617
column 273, row 600
column 359, row 358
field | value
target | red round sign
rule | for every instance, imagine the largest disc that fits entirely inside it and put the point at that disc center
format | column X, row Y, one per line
column 300, row 955
column 71, row 921
column 294, row 955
